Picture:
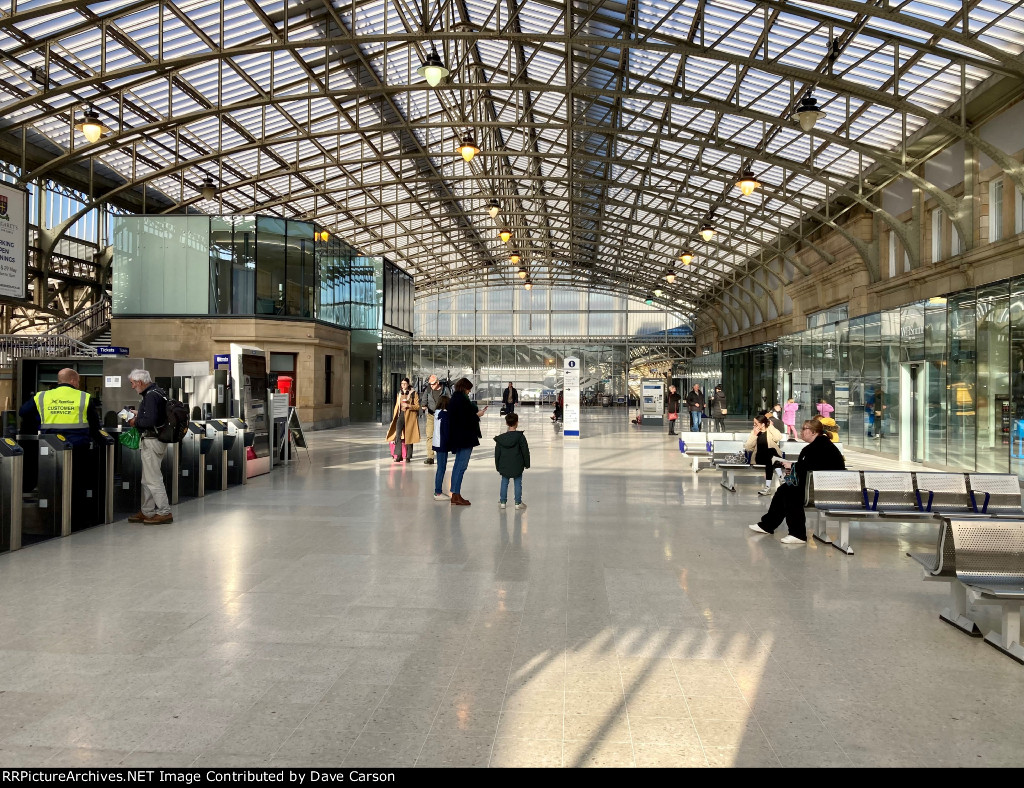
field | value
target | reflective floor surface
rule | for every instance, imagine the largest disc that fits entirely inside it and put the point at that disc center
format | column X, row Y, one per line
column 333, row 614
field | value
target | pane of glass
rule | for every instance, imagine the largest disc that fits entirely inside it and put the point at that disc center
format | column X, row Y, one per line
column 1016, row 415
column 993, row 369
column 271, row 265
column 962, row 380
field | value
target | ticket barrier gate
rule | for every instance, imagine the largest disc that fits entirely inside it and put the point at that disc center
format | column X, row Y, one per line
column 127, row 480
column 49, row 513
column 12, row 458
column 170, row 468
column 73, row 486
column 217, row 454
column 238, row 434
column 192, row 461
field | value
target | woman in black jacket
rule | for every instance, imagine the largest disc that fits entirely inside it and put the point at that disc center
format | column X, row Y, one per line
column 463, row 434
column 673, row 408
column 820, row 454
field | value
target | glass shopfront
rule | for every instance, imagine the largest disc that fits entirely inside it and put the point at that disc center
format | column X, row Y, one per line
column 939, row 381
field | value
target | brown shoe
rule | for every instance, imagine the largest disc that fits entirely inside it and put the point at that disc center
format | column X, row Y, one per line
column 458, row 500
column 159, row 519
column 138, row 517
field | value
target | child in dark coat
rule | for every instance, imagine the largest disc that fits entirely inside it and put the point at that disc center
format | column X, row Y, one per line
column 511, row 458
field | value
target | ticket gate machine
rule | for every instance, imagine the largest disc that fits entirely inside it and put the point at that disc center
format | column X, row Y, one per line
column 170, row 470
column 217, row 454
column 93, row 483
column 238, row 433
column 192, row 463
column 12, row 457
column 53, row 507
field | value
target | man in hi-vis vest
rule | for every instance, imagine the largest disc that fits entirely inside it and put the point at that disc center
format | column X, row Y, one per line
column 63, row 409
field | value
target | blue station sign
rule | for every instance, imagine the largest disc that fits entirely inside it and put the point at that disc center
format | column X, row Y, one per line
column 112, row 350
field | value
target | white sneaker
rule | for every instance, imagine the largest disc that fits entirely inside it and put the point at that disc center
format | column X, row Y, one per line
column 441, row 496
column 792, row 540
column 501, row 504
column 757, row 529
column 765, row 491
column 520, row 505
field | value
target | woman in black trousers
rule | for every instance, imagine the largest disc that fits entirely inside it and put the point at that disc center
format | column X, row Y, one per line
column 820, row 454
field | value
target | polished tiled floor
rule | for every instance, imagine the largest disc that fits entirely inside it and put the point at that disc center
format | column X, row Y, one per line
column 334, row 614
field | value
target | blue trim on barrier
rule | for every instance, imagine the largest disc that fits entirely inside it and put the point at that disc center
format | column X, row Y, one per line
column 571, row 432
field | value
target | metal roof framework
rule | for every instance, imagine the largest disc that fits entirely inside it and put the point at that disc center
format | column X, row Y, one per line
column 609, row 131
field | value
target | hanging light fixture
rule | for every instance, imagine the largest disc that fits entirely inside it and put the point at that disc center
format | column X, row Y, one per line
column 91, row 126
column 670, row 277
column 528, row 284
column 657, row 292
column 493, row 208
column 514, row 257
column 433, row 69
column 808, row 113
column 505, row 234
column 523, row 273
column 707, row 231
column 468, row 148
column 748, row 183
column 650, row 299
column 322, row 236
column 686, row 257
column 209, row 188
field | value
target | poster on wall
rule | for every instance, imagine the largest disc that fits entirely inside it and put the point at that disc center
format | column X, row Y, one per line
column 13, row 241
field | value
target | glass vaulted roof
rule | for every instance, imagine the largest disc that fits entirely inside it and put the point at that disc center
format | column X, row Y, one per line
column 609, row 131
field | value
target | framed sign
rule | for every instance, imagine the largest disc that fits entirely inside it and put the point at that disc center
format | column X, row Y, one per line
column 13, row 242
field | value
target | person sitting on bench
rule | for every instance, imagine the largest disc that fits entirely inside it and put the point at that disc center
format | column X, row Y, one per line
column 820, row 454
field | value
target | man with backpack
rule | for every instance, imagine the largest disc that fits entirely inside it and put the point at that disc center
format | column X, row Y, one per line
column 150, row 418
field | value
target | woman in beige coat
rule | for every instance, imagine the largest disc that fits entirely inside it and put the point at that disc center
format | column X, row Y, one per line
column 405, row 425
column 763, row 445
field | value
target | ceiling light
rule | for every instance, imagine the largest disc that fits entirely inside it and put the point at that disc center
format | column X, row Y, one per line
column 686, row 257
column 657, row 292
column 670, row 277
column 514, row 258
column 493, row 208
column 650, row 299
column 748, row 183
column 209, row 188
column 433, row 69
column 505, row 234
column 91, row 126
column 528, row 284
column 707, row 232
column 808, row 113
column 468, row 148
column 523, row 273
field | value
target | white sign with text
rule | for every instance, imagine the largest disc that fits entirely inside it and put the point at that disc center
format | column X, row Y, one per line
column 571, row 398
column 13, row 241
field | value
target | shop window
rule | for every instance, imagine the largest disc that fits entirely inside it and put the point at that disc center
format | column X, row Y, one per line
column 995, row 209
column 282, row 374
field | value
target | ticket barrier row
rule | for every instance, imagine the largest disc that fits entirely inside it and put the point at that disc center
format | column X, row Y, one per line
column 50, row 488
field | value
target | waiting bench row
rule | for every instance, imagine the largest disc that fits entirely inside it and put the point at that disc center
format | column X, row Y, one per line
column 844, row 497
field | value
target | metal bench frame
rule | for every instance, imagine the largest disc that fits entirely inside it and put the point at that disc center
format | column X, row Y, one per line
column 837, row 496
column 984, row 562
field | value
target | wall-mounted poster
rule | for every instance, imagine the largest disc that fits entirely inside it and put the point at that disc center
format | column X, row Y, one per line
column 13, row 241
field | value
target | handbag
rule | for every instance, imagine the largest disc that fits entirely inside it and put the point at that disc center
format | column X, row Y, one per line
column 724, row 412
column 130, row 438
column 502, row 411
column 791, row 478
column 673, row 416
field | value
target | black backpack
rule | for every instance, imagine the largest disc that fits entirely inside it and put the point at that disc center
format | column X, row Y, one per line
column 176, row 414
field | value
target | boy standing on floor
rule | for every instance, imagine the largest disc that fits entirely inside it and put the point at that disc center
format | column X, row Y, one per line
column 511, row 458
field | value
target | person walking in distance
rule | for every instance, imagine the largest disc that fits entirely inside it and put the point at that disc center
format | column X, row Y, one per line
column 430, row 400
column 820, row 454
column 151, row 415
column 674, row 400
column 404, row 430
column 718, row 408
column 510, row 398
column 463, row 434
column 695, row 404
column 511, row 458
column 789, row 417
column 824, row 409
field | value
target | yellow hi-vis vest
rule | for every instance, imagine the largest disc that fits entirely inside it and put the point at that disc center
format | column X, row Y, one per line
column 63, row 407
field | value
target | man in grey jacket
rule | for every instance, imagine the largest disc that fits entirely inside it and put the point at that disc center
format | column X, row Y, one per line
column 430, row 399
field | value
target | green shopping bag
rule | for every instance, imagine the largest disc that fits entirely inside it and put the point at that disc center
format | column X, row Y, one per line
column 130, row 438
